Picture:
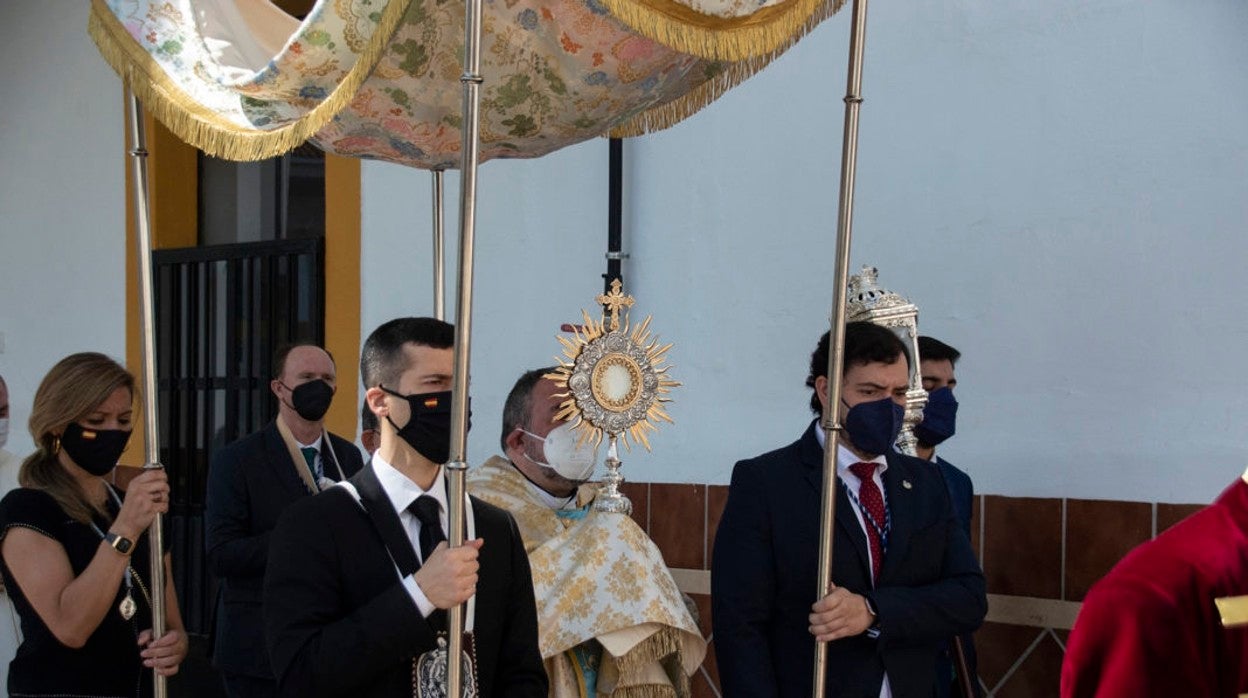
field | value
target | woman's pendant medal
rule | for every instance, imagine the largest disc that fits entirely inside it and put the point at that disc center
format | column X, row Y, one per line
column 127, row 607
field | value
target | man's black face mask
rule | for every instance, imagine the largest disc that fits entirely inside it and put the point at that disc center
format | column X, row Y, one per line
column 428, row 429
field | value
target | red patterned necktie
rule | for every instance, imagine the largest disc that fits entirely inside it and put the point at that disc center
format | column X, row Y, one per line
column 871, row 502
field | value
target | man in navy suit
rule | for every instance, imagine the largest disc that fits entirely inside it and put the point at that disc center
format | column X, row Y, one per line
column 904, row 576
column 250, row 483
column 937, row 361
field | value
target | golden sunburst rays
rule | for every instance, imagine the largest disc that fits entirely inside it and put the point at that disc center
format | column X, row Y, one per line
column 614, row 377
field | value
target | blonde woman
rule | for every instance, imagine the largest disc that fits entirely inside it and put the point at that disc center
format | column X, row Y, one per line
column 75, row 553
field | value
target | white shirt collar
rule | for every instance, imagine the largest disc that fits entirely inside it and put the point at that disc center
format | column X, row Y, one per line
column 846, row 457
column 400, row 489
column 315, row 444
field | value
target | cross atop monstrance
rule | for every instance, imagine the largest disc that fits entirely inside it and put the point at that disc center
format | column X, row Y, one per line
column 613, row 301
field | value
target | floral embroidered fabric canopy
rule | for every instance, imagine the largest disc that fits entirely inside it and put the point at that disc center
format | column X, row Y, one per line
column 242, row 80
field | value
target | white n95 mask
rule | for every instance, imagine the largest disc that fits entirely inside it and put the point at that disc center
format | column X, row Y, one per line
column 563, row 454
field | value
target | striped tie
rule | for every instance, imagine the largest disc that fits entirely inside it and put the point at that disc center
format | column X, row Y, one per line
column 309, row 455
column 872, row 502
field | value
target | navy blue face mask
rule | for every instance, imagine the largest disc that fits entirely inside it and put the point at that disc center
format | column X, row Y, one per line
column 873, row 426
column 939, row 418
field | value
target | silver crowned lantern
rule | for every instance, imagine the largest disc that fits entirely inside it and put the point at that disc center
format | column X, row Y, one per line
column 868, row 302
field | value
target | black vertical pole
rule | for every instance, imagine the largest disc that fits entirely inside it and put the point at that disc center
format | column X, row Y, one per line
column 615, row 213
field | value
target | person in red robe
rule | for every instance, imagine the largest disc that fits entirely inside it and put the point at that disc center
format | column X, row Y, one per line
column 1151, row 626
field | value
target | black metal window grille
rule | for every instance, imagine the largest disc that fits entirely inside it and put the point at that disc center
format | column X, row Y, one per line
column 221, row 313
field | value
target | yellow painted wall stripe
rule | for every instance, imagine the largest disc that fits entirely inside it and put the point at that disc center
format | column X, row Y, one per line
column 342, row 290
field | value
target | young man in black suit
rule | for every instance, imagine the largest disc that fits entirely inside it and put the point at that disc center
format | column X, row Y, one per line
column 903, row 572
column 250, row 483
column 359, row 577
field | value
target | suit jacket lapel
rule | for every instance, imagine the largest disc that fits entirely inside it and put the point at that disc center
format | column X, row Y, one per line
column 901, row 513
column 277, row 456
column 385, row 520
column 812, row 461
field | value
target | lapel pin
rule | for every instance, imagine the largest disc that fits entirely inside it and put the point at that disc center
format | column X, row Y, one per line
column 906, row 484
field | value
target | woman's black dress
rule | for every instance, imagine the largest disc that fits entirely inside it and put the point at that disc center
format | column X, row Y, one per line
column 109, row 663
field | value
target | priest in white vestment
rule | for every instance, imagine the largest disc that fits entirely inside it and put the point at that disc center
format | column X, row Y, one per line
column 611, row 621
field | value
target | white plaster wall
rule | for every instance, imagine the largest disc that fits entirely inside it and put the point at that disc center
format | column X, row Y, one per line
column 1062, row 187
column 540, row 257
column 62, row 206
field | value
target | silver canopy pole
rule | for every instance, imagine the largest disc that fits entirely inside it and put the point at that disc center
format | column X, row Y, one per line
column 439, row 256
column 151, row 422
column 470, row 146
column 836, row 354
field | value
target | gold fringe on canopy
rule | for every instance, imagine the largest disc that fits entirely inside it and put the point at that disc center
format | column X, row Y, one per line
column 746, row 45
column 765, row 33
column 207, row 130
column 677, row 110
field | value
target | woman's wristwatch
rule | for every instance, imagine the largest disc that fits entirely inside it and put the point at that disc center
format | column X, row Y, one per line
column 120, row 543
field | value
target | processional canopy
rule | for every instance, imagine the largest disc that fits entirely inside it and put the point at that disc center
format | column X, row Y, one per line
column 616, row 384
column 380, row 79
column 868, row 301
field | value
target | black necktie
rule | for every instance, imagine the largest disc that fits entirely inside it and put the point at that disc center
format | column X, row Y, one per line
column 427, row 511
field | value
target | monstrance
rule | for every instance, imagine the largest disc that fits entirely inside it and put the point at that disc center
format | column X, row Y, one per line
column 615, row 384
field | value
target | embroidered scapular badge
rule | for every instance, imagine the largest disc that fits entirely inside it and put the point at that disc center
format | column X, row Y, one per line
column 429, row 670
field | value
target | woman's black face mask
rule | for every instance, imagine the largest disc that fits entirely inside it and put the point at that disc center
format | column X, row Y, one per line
column 94, row 450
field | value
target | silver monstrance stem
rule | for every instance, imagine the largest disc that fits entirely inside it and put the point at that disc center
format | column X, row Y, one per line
column 609, row 498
